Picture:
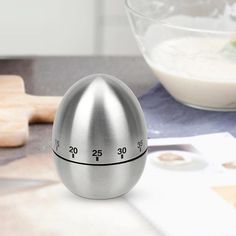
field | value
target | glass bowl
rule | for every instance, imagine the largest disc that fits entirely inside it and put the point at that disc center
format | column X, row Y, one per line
column 191, row 47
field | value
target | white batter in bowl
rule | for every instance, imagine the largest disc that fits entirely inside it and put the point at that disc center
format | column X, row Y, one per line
column 191, row 47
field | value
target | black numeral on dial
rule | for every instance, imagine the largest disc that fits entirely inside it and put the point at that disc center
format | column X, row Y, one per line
column 73, row 151
column 97, row 154
column 121, row 152
column 140, row 145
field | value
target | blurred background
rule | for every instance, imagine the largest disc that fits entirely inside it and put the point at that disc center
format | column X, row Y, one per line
column 64, row 27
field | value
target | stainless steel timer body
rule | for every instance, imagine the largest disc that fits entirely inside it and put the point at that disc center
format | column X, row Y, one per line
column 99, row 138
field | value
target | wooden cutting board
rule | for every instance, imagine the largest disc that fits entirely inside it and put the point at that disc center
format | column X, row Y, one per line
column 19, row 109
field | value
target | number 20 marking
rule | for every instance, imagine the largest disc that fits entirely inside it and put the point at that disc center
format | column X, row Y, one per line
column 73, row 151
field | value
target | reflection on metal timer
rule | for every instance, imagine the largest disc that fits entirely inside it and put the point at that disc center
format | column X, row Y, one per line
column 99, row 138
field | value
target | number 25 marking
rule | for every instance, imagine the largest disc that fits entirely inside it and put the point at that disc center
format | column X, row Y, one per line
column 97, row 154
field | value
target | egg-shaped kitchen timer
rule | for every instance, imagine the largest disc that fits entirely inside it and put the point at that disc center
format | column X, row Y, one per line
column 99, row 138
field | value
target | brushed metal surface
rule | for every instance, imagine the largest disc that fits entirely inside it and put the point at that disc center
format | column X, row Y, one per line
column 99, row 138
column 100, row 182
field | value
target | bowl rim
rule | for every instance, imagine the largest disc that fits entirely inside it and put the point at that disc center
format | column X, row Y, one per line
column 130, row 8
